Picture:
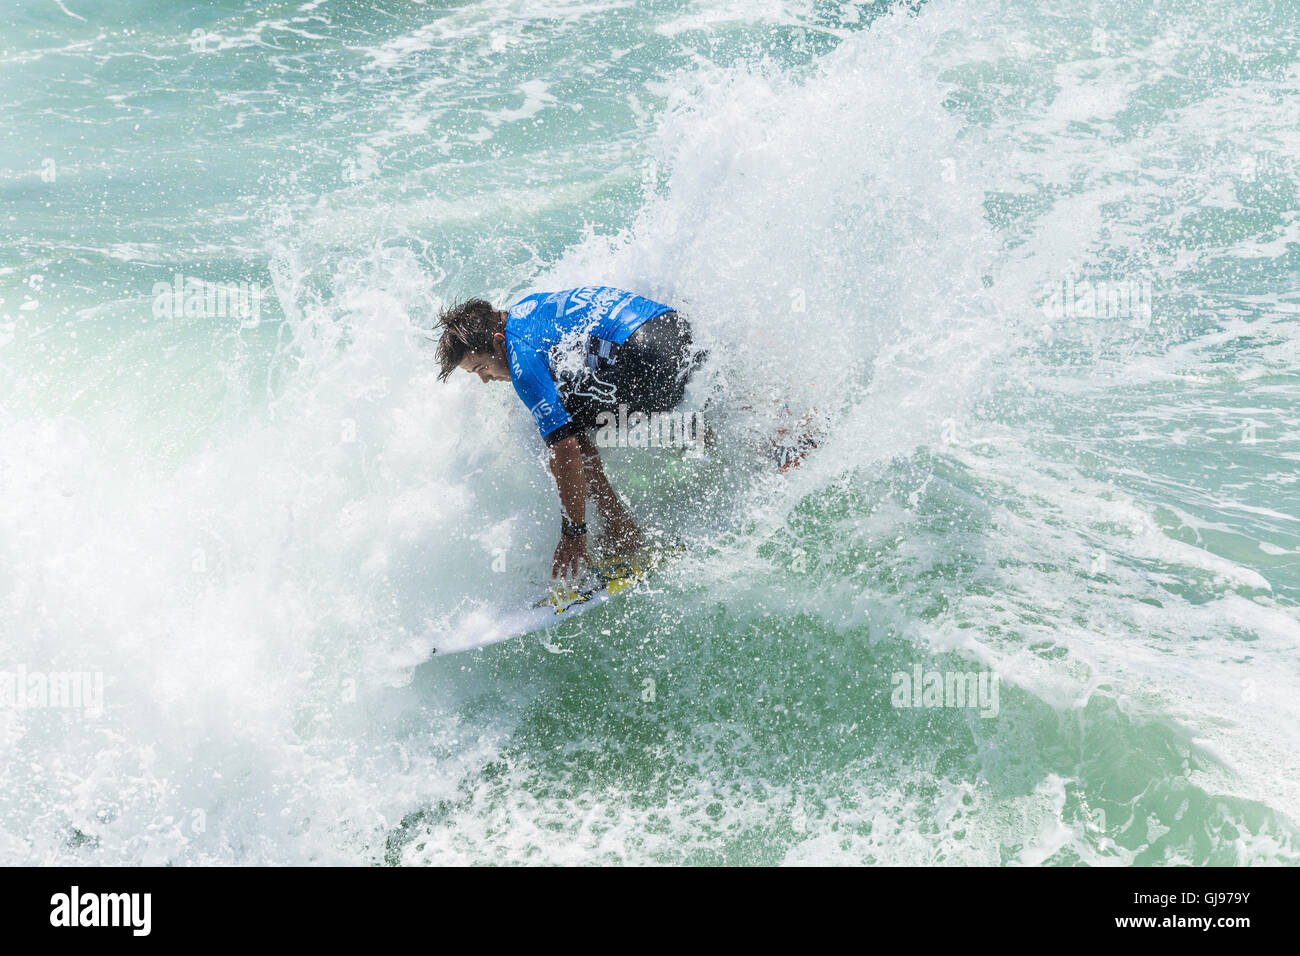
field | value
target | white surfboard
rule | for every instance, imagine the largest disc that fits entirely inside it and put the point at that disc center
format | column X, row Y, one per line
column 608, row 578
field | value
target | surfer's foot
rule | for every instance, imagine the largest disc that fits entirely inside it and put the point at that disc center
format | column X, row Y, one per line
column 789, row 451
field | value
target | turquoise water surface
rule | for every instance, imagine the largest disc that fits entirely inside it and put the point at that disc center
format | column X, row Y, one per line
column 1037, row 267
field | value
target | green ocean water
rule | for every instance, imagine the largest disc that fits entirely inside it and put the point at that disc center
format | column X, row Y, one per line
column 1036, row 270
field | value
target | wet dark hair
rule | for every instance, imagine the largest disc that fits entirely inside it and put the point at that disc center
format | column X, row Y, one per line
column 467, row 329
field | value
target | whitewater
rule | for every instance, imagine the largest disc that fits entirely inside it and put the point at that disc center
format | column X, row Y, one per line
column 1035, row 268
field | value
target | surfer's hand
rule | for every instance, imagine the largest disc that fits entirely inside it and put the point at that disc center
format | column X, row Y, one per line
column 621, row 536
column 570, row 556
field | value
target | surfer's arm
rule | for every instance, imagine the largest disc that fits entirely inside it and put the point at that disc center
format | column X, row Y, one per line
column 532, row 380
column 566, row 465
column 620, row 531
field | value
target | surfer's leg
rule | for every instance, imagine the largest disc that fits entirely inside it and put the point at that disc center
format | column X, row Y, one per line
column 658, row 360
column 655, row 363
column 647, row 374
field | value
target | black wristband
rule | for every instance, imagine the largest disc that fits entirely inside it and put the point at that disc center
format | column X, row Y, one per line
column 572, row 530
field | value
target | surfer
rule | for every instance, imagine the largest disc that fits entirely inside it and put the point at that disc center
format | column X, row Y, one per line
column 571, row 356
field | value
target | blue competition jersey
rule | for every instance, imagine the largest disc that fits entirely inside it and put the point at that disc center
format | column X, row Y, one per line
column 558, row 336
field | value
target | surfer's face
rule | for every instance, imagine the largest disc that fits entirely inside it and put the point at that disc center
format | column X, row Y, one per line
column 489, row 366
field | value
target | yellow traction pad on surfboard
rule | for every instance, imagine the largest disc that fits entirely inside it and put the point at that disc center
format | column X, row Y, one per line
column 612, row 575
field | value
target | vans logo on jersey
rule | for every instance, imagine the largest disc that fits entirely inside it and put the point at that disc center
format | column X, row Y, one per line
column 579, row 298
